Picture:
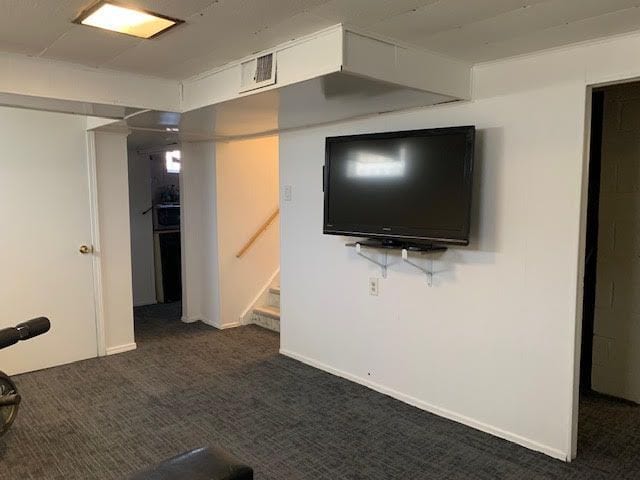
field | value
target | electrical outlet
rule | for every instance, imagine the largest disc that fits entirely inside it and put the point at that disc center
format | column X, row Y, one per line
column 287, row 193
column 373, row 286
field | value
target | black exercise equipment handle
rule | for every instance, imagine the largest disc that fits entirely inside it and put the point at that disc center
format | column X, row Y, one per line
column 24, row 331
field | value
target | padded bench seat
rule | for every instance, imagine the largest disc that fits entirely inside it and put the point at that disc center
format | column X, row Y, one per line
column 199, row 464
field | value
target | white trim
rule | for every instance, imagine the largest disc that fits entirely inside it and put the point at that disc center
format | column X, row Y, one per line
column 442, row 412
column 246, row 313
column 101, row 342
column 577, row 344
column 121, row 348
column 211, row 323
column 228, row 325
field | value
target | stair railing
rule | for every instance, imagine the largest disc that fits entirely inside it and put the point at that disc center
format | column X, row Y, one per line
column 258, row 232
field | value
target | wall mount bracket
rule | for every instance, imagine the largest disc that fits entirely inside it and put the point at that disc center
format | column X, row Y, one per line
column 428, row 272
column 405, row 255
column 383, row 266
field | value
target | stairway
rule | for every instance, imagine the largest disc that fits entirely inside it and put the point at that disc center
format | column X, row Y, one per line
column 268, row 316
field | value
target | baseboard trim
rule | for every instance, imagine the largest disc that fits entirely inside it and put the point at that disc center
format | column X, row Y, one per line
column 441, row 412
column 121, row 348
column 228, row 325
column 190, row 319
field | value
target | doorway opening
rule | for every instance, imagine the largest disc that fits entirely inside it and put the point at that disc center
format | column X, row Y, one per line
column 154, row 201
column 610, row 356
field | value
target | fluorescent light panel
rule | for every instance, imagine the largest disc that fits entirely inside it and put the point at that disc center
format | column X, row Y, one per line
column 117, row 18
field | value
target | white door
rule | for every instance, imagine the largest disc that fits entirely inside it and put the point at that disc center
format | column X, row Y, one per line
column 44, row 219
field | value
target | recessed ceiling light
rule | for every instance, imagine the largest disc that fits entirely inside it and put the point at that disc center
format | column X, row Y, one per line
column 131, row 21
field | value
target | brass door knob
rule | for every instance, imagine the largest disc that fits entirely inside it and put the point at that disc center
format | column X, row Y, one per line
column 84, row 249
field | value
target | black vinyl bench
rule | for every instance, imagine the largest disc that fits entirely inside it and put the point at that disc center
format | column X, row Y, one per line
column 199, row 464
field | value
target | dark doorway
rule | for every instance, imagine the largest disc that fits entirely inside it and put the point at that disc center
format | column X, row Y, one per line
column 591, row 247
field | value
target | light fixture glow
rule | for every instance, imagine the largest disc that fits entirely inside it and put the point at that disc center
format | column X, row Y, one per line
column 172, row 161
column 110, row 16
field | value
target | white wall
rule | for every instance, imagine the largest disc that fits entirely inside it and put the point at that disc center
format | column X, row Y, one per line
column 490, row 343
column 115, row 247
column 247, row 194
column 200, row 272
column 495, row 343
column 616, row 353
column 142, row 260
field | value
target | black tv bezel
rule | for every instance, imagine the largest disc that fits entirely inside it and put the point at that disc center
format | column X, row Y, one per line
column 409, row 235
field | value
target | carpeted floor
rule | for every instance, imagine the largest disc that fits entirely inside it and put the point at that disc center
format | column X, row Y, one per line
column 191, row 385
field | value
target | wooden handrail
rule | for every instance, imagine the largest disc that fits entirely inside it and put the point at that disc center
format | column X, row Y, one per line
column 255, row 236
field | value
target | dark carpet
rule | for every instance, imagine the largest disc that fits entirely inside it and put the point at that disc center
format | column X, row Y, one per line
column 191, row 385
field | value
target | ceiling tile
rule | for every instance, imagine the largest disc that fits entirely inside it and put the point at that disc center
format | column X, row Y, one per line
column 464, row 40
column 363, row 13
column 442, row 16
column 219, row 31
column 181, row 9
column 89, row 46
column 622, row 21
column 29, row 26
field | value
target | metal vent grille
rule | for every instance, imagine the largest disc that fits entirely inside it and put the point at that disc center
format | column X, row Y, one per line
column 264, row 68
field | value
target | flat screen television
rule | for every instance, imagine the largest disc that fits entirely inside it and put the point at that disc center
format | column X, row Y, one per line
column 400, row 188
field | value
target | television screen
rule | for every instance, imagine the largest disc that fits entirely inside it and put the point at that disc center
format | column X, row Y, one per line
column 407, row 186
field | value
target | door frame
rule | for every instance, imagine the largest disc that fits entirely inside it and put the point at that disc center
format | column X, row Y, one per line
column 92, row 179
column 582, row 245
column 591, row 236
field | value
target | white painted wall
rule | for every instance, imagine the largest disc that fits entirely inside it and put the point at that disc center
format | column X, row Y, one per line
column 142, row 260
column 247, row 194
column 490, row 344
column 115, row 247
column 616, row 353
column 200, row 272
column 495, row 343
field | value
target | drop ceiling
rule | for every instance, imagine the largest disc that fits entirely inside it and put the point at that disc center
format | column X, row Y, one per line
column 220, row 31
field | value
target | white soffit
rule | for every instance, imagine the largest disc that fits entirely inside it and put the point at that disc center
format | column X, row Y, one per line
column 331, row 75
column 339, row 49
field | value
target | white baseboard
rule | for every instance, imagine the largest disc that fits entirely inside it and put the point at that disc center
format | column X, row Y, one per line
column 228, row 325
column 442, row 412
column 121, row 348
column 190, row 319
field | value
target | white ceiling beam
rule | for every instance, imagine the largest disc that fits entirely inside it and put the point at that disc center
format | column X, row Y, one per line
column 37, row 77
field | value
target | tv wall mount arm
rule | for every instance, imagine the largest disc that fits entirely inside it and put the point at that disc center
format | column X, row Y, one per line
column 428, row 272
column 405, row 258
column 383, row 266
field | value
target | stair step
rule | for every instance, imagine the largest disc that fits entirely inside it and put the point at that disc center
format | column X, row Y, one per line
column 275, row 290
column 268, row 311
column 267, row 317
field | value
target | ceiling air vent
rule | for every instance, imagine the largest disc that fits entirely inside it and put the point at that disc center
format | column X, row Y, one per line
column 258, row 72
